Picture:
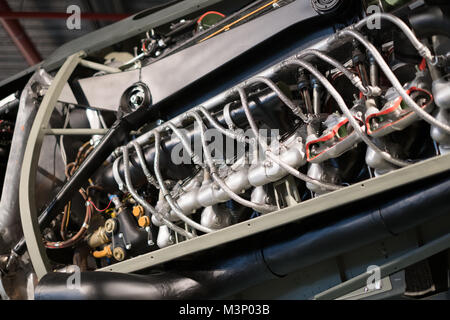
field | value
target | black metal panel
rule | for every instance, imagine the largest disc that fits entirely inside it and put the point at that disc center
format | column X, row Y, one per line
column 171, row 74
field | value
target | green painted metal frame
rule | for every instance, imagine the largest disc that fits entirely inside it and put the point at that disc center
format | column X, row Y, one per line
column 27, row 203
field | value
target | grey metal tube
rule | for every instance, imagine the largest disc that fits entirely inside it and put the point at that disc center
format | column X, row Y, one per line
column 340, row 101
column 167, row 195
column 355, row 80
column 218, row 180
column 261, row 79
column 395, row 83
column 144, row 167
column 144, row 203
column 99, row 66
column 9, row 204
column 275, row 158
column 250, row 119
column 186, row 144
column 421, row 48
column 227, row 132
column 301, row 176
column 398, row 214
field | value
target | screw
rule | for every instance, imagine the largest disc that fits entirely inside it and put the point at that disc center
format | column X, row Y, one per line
column 119, row 253
column 110, row 225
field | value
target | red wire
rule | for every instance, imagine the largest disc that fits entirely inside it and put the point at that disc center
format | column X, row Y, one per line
column 209, row 12
column 99, row 209
column 423, row 65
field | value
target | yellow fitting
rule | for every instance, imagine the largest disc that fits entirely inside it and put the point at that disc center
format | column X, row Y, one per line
column 144, row 221
column 106, row 252
column 97, row 238
column 138, row 211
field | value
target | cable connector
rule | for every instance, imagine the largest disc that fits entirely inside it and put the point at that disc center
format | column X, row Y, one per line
column 426, row 53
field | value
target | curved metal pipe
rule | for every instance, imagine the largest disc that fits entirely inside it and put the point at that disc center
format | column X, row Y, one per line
column 342, row 105
column 144, row 203
column 394, row 81
column 9, row 204
column 167, row 195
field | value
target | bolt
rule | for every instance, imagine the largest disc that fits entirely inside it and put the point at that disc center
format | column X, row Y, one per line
column 144, row 222
column 119, row 253
column 138, row 211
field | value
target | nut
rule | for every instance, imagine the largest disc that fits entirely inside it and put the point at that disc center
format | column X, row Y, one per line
column 119, row 253
column 138, row 211
column 144, row 221
column 110, row 225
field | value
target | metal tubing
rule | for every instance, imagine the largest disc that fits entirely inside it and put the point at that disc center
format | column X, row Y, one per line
column 144, row 203
column 342, row 105
column 9, row 205
column 394, row 81
column 99, row 66
column 75, row 132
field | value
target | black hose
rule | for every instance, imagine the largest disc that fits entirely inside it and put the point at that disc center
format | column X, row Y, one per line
column 430, row 22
